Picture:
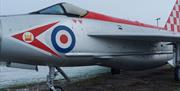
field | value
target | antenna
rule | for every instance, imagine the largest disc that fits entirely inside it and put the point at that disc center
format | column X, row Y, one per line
column 157, row 19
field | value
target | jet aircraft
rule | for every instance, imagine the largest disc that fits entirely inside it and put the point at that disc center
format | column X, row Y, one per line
column 64, row 35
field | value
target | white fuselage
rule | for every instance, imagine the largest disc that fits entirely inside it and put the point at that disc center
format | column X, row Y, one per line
column 88, row 50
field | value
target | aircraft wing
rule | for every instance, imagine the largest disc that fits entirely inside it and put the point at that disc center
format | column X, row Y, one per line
column 146, row 35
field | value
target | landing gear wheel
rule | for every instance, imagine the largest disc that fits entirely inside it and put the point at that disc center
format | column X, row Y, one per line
column 115, row 71
column 58, row 88
column 177, row 73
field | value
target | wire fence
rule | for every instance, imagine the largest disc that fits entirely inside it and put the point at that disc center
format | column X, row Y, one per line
column 2, row 63
column 1, row 66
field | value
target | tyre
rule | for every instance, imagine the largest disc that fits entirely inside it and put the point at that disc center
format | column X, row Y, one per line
column 58, row 88
column 177, row 73
column 115, row 71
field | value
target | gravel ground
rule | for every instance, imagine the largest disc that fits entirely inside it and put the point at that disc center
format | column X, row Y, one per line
column 160, row 79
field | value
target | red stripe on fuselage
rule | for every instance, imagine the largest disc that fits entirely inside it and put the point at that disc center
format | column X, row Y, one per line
column 97, row 16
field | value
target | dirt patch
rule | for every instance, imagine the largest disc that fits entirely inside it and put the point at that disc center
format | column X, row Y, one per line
column 160, row 79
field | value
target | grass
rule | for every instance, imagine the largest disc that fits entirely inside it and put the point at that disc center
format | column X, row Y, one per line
column 177, row 89
column 19, row 86
column 3, row 90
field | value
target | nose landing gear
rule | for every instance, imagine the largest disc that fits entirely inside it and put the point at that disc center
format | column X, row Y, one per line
column 52, row 75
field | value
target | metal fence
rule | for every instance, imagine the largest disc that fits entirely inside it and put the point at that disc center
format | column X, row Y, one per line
column 2, row 63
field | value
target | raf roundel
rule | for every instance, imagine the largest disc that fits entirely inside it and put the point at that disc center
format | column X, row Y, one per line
column 63, row 39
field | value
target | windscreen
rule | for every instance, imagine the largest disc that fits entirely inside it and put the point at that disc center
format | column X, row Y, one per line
column 63, row 9
column 74, row 10
column 56, row 9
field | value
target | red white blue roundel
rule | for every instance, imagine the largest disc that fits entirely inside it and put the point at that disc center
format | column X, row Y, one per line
column 63, row 39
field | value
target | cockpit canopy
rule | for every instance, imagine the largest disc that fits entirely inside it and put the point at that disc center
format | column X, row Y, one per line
column 63, row 9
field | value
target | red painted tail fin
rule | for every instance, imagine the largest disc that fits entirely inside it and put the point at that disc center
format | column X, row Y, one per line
column 173, row 22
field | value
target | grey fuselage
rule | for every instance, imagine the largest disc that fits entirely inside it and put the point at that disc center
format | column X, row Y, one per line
column 88, row 50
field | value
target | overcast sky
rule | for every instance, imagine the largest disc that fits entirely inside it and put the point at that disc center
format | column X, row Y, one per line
column 141, row 10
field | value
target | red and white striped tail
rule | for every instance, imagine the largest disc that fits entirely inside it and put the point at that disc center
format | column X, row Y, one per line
column 173, row 22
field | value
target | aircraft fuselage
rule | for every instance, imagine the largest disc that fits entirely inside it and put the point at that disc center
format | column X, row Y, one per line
column 67, row 41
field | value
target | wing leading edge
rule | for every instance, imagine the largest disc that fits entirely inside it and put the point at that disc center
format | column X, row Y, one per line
column 146, row 35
